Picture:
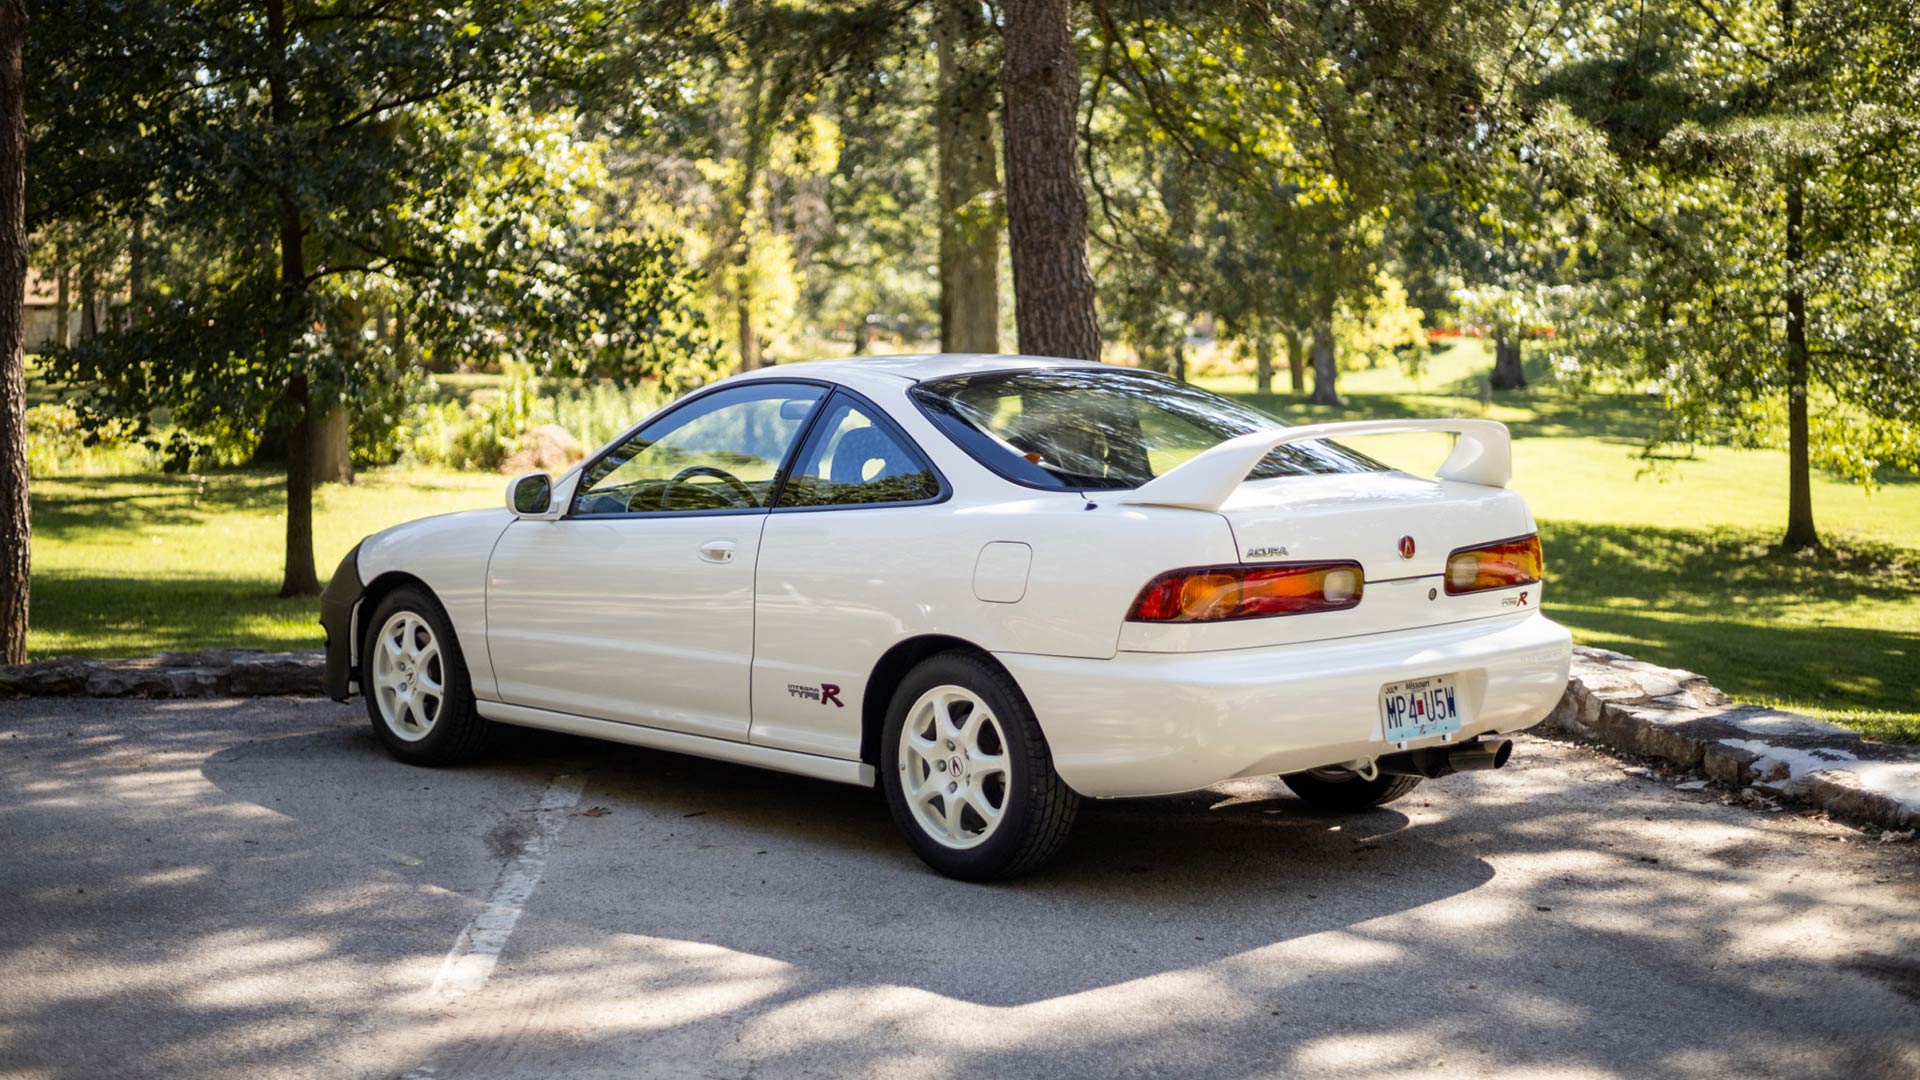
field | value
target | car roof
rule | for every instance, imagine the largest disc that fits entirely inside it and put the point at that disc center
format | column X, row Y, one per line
column 917, row 367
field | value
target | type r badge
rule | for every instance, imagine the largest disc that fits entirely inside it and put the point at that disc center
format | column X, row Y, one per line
column 825, row 694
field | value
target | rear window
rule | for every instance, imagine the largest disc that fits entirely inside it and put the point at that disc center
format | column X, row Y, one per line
column 1074, row 429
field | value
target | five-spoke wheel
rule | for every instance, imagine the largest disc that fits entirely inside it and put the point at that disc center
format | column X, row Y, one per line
column 968, row 774
column 409, row 676
column 954, row 766
column 415, row 682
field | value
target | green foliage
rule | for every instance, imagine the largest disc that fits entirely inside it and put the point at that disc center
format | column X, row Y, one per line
column 479, row 429
column 309, row 180
column 1256, row 160
column 60, row 444
column 1741, row 162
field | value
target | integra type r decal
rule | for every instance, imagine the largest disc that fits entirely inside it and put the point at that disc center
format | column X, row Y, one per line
column 825, row 693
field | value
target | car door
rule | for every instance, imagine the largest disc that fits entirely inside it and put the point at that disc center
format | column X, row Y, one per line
column 844, row 549
column 637, row 604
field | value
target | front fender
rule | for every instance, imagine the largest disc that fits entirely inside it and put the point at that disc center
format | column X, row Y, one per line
column 337, row 604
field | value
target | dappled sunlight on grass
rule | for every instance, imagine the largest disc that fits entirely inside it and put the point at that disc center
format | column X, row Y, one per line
column 142, row 564
column 1835, row 631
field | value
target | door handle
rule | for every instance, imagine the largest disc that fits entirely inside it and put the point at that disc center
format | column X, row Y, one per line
column 717, row 551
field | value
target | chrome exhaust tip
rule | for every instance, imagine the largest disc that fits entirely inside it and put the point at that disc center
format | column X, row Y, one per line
column 1437, row 761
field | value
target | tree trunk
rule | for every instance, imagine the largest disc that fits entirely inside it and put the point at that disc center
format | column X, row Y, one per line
column 63, row 302
column 761, row 115
column 16, row 523
column 89, row 302
column 332, row 456
column 1262, row 360
column 402, row 351
column 1296, row 363
column 298, row 578
column 1053, row 293
column 1507, row 372
column 749, row 338
column 969, row 183
column 1801, row 534
column 1325, row 364
column 136, row 273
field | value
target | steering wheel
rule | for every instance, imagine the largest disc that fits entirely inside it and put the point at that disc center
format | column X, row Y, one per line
column 684, row 475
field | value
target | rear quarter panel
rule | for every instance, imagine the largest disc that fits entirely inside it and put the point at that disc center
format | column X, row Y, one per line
column 835, row 589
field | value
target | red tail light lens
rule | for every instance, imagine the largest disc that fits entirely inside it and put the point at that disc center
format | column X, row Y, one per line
column 1218, row 593
column 1495, row 566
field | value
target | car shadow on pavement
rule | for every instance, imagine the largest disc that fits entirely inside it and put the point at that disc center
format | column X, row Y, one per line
column 259, row 891
column 806, row 871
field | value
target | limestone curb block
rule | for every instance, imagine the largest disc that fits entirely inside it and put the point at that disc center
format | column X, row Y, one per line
column 212, row 673
column 1677, row 716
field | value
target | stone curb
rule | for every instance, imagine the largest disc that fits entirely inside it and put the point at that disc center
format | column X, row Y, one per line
column 212, row 673
column 1678, row 717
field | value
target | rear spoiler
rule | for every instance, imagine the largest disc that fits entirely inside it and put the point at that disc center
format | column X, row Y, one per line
column 1482, row 455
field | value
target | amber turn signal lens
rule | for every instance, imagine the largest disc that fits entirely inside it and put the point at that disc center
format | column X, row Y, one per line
column 1218, row 593
column 1495, row 566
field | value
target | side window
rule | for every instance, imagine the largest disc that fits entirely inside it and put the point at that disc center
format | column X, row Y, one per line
column 852, row 461
column 720, row 452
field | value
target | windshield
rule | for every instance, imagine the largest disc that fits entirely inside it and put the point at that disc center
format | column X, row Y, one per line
column 1085, row 428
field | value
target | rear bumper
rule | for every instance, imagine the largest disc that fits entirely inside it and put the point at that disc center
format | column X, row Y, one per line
column 337, row 605
column 1159, row 723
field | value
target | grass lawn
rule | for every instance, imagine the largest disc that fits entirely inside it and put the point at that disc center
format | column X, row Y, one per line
column 126, row 566
column 1672, row 565
column 1669, row 559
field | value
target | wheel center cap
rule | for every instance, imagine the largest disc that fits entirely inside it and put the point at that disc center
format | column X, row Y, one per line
column 957, row 765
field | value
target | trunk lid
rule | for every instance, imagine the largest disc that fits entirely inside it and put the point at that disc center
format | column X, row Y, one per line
column 1363, row 517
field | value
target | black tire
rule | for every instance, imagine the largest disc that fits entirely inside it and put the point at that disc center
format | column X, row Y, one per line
column 457, row 733
column 1037, row 809
column 1351, row 793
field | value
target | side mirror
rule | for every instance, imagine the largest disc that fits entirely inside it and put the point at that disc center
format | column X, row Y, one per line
column 531, row 495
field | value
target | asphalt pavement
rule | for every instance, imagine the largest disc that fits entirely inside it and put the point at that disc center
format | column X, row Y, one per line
column 251, row 888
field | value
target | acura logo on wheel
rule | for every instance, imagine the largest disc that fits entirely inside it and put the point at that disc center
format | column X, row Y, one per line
column 1406, row 547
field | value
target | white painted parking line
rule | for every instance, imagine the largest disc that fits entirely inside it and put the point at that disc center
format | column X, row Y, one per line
column 470, row 962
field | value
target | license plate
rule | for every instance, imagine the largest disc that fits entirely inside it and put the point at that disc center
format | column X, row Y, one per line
column 1419, row 708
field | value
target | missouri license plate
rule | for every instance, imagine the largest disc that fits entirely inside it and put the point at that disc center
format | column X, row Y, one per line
column 1419, row 708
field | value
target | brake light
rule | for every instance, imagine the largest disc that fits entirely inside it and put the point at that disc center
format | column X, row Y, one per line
column 1217, row 593
column 1495, row 566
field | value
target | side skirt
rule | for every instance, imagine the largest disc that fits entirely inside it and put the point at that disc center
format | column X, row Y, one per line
column 764, row 757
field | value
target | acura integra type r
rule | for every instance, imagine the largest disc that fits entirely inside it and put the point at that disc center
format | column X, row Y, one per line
column 995, row 585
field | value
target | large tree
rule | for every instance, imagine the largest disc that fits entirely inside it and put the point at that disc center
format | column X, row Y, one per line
column 1754, row 162
column 1053, row 291
column 16, row 527
column 307, row 161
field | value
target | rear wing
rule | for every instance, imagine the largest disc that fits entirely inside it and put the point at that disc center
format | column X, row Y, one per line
column 1482, row 455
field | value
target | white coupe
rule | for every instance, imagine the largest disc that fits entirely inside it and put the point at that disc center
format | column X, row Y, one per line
column 998, row 585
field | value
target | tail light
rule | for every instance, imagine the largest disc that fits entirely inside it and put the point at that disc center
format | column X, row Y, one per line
column 1495, row 566
column 1217, row 593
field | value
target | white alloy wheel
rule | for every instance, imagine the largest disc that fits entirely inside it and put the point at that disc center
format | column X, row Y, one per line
column 409, row 680
column 954, row 767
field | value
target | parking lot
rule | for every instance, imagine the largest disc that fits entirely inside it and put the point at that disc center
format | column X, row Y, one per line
column 251, row 888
